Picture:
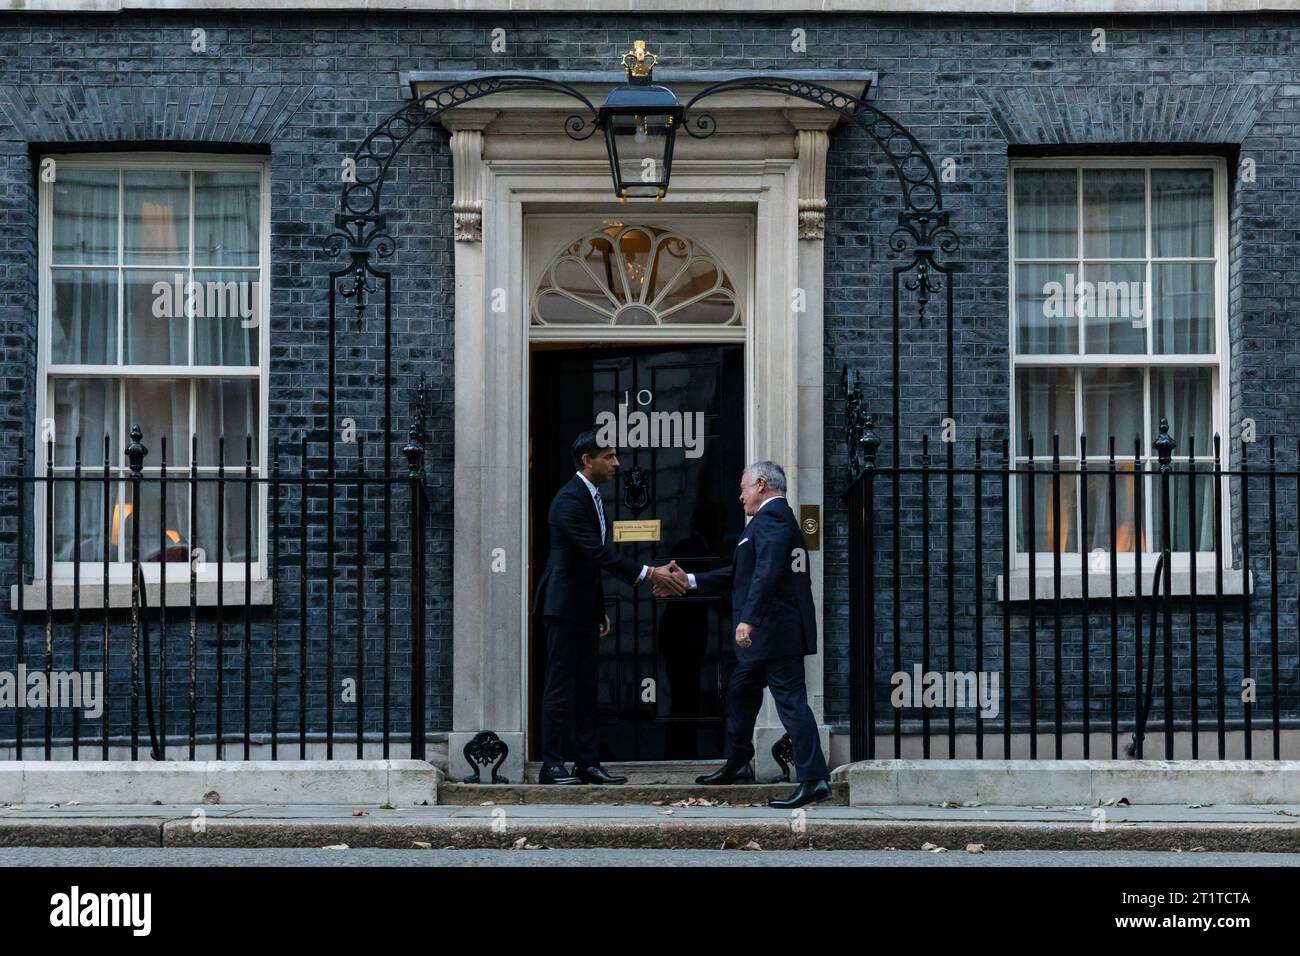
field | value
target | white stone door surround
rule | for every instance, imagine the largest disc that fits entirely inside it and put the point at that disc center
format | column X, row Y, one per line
column 512, row 158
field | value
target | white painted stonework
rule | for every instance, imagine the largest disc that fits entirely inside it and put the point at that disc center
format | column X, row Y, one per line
column 512, row 160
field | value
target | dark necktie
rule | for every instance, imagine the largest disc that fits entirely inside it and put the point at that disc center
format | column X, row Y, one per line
column 600, row 513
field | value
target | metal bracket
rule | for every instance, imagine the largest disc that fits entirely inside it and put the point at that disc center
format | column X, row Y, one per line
column 483, row 750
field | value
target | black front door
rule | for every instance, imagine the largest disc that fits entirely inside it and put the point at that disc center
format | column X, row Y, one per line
column 665, row 662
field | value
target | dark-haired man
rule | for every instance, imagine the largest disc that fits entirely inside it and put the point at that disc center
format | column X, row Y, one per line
column 571, row 600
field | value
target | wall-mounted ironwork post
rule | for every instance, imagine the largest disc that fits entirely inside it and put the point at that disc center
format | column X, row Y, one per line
column 1164, row 447
column 135, row 453
column 414, row 452
column 863, row 742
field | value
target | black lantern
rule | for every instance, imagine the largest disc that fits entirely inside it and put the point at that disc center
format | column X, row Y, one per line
column 640, row 121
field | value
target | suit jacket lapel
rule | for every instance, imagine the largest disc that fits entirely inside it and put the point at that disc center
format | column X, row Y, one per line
column 591, row 506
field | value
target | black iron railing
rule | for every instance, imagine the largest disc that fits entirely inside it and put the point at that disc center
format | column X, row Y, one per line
column 286, row 601
column 1037, row 574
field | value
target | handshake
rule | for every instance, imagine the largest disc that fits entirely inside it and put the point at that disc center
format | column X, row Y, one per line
column 668, row 581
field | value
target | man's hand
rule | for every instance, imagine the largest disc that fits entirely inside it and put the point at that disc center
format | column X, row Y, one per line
column 676, row 576
column 666, row 584
column 604, row 628
column 743, row 634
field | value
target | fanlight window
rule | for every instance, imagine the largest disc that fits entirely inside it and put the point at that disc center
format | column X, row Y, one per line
column 635, row 275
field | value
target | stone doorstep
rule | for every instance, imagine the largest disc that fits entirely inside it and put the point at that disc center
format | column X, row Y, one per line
column 330, row 782
column 644, row 772
column 1070, row 782
column 470, row 794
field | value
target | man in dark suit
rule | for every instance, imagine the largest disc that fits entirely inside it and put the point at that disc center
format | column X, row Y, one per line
column 571, row 600
column 776, row 626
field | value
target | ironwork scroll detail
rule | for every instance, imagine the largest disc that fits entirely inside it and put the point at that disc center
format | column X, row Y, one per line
column 482, row 750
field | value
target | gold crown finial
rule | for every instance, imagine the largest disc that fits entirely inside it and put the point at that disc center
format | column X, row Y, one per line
column 639, row 61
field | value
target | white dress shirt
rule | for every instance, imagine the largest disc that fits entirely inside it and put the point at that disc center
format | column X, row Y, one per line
column 600, row 514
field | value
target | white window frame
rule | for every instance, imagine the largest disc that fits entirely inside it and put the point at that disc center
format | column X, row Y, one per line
column 92, row 459
column 1098, row 454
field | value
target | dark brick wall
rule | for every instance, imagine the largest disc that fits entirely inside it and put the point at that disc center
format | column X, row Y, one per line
column 310, row 86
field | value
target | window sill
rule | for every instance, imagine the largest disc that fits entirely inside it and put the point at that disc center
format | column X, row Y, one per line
column 1234, row 584
column 119, row 595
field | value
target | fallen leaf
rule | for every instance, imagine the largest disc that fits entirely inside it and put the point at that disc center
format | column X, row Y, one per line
column 934, row 848
column 360, row 813
column 487, row 803
column 971, row 803
column 1040, row 807
column 667, row 813
column 335, row 846
column 696, row 802
column 751, row 845
column 656, row 803
column 421, row 845
column 212, row 797
column 974, row 847
column 1122, row 802
column 520, row 843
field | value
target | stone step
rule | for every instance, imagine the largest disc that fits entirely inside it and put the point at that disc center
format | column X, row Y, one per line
column 681, row 772
column 662, row 794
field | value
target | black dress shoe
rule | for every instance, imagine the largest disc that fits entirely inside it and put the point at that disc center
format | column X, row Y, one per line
column 808, row 791
column 596, row 774
column 556, row 774
column 729, row 772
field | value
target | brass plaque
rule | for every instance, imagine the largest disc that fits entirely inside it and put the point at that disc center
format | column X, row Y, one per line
column 810, row 523
column 647, row 530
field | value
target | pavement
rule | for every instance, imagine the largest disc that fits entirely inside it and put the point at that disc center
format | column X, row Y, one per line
column 87, row 857
column 490, row 825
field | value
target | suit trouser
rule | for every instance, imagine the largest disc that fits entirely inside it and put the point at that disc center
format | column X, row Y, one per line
column 784, row 676
column 569, row 698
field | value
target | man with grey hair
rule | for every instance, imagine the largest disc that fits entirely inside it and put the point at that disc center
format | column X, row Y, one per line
column 776, row 626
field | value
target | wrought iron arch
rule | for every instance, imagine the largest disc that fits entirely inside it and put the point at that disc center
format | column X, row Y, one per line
column 361, row 231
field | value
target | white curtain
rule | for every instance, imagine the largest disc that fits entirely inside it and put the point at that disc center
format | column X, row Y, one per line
column 1184, row 397
column 227, row 214
column 84, row 233
column 1046, row 227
